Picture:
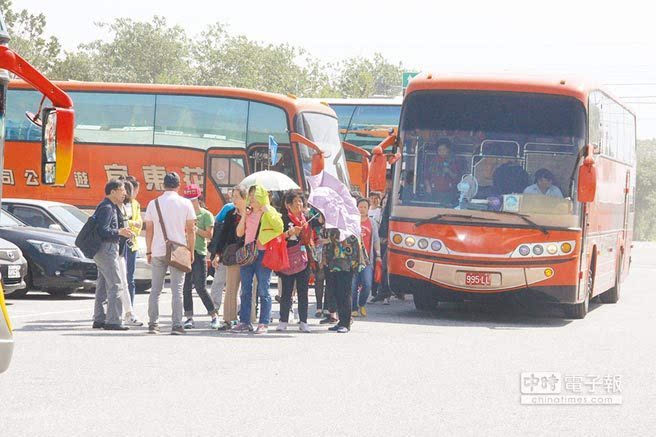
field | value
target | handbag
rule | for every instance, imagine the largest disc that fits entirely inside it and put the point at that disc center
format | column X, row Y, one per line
column 177, row 255
column 229, row 254
column 88, row 240
column 298, row 260
column 247, row 254
column 275, row 257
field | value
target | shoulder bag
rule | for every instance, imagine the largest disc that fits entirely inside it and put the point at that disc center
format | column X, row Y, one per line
column 247, row 254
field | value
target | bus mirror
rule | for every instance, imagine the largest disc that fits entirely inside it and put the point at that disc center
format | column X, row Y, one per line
column 317, row 163
column 378, row 166
column 587, row 188
column 56, row 145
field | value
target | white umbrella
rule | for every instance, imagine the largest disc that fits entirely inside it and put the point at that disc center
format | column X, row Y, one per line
column 270, row 180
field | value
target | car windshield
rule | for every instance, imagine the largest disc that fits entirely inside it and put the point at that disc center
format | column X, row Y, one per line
column 490, row 151
column 7, row 219
column 322, row 129
column 72, row 217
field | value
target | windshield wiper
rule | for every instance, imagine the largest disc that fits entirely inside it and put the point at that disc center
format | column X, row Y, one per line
column 438, row 217
column 541, row 228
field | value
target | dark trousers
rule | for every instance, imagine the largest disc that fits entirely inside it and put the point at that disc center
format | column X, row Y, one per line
column 319, row 287
column 131, row 263
column 301, row 280
column 340, row 283
column 198, row 278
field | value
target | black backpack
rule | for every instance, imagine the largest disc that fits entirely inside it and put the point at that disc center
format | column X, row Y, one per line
column 88, row 240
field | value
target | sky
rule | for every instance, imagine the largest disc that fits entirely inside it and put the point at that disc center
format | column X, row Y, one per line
column 611, row 44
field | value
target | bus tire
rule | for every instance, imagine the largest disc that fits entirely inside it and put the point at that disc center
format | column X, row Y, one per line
column 580, row 310
column 613, row 295
column 423, row 300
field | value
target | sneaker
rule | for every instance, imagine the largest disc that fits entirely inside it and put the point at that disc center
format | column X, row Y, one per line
column 282, row 326
column 334, row 328
column 112, row 327
column 343, row 330
column 386, row 301
column 355, row 313
column 225, row 326
column 214, row 324
column 262, row 329
column 153, row 328
column 178, row 330
column 189, row 323
column 318, row 314
column 98, row 325
column 363, row 311
column 328, row 320
column 242, row 327
column 133, row 321
column 304, row 327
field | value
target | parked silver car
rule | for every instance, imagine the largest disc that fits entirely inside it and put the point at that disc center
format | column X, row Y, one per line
column 13, row 267
column 69, row 218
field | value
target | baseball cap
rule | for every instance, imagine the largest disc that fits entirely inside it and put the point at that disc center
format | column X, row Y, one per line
column 191, row 191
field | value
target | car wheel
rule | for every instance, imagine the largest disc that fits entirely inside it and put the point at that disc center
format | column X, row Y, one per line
column 613, row 295
column 142, row 286
column 424, row 301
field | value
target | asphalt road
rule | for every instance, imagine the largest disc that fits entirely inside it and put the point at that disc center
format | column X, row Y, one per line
column 399, row 372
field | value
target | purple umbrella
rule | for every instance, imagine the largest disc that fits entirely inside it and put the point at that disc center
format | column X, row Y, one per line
column 335, row 202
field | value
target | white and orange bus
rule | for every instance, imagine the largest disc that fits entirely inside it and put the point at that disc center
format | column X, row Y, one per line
column 53, row 152
column 511, row 187
column 211, row 136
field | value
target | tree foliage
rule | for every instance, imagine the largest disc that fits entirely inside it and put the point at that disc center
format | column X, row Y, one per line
column 645, row 209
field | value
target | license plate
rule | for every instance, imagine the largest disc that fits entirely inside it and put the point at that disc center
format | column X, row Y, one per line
column 13, row 272
column 478, row 279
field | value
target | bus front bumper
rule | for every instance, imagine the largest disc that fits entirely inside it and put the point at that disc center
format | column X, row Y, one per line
column 448, row 281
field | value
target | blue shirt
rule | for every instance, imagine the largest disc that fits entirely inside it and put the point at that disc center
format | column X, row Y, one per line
column 553, row 191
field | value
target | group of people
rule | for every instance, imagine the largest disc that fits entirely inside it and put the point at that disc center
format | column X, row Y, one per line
column 238, row 241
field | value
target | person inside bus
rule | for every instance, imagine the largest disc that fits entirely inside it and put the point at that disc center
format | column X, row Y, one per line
column 443, row 174
column 544, row 184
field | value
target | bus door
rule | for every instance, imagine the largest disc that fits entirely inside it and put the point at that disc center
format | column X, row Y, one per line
column 259, row 159
column 224, row 168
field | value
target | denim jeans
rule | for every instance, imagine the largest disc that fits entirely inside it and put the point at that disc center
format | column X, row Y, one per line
column 365, row 279
column 131, row 260
column 263, row 278
column 197, row 279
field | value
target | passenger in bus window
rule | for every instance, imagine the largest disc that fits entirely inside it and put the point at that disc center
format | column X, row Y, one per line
column 443, row 173
column 544, row 184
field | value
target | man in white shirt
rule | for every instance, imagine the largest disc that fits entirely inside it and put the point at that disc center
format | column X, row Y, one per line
column 179, row 219
column 375, row 212
column 544, row 180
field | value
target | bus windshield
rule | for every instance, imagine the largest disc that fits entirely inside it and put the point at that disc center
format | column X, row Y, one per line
column 322, row 130
column 491, row 151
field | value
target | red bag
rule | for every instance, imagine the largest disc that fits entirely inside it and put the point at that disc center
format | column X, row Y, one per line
column 378, row 271
column 275, row 255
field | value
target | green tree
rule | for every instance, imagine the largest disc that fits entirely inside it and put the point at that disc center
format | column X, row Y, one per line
column 645, row 208
column 366, row 77
column 28, row 39
column 143, row 52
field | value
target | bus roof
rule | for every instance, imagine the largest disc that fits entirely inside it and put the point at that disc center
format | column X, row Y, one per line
column 387, row 101
column 290, row 103
column 567, row 87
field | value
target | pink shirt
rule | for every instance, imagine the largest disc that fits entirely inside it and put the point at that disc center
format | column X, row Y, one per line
column 252, row 223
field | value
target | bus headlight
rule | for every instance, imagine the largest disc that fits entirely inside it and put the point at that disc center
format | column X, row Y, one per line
column 524, row 250
column 423, row 243
column 566, row 248
column 410, row 241
column 436, row 246
column 397, row 239
column 538, row 250
column 552, row 249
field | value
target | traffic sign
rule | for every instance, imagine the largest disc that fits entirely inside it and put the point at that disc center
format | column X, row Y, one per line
column 407, row 75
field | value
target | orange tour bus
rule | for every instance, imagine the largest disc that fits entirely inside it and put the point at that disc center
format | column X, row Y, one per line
column 510, row 188
column 364, row 123
column 53, row 155
column 211, row 136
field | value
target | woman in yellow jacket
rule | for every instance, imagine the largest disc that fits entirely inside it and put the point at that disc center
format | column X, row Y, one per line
column 135, row 223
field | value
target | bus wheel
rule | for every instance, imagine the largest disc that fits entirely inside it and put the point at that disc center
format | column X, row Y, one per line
column 423, row 300
column 613, row 295
column 580, row 310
